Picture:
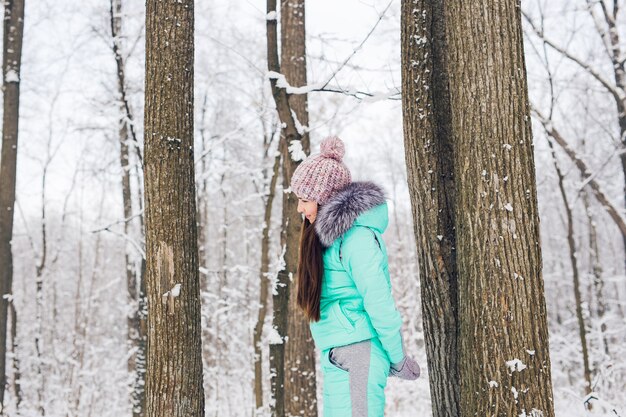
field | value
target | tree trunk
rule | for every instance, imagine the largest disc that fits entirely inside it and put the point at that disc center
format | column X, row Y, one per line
column 501, row 294
column 135, row 364
column 472, row 185
column 11, row 67
column 610, row 35
column 300, row 385
column 290, row 134
column 17, row 373
column 604, row 201
column 571, row 243
column 263, row 288
column 619, row 73
column 596, row 273
column 429, row 159
column 174, row 385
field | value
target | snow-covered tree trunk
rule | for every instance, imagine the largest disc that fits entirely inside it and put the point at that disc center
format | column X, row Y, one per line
column 290, row 134
column 264, row 280
column 11, row 67
column 575, row 265
column 174, row 383
column 136, row 337
column 300, row 385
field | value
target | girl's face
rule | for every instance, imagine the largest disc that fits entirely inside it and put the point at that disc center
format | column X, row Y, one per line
column 308, row 208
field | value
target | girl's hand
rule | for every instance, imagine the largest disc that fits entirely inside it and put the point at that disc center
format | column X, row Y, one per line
column 407, row 368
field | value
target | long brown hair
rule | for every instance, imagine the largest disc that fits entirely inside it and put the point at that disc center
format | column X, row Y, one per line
column 310, row 271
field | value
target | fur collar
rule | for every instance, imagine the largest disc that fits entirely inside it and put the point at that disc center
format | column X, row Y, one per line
column 337, row 215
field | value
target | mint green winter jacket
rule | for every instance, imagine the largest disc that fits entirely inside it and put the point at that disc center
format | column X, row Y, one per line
column 356, row 300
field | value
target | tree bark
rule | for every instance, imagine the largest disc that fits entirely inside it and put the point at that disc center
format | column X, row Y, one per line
column 300, row 385
column 263, row 287
column 11, row 71
column 501, row 294
column 17, row 373
column 472, row 183
column 174, row 385
column 290, row 134
column 430, row 159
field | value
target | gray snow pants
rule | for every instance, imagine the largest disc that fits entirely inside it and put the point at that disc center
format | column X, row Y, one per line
column 355, row 377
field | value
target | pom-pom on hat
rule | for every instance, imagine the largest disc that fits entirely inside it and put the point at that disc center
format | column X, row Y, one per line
column 319, row 176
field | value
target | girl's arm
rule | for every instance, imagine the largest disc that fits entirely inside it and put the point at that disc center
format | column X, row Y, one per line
column 365, row 261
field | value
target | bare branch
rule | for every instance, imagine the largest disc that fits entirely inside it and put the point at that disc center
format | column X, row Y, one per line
column 616, row 93
column 607, row 15
column 362, row 95
column 606, row 41
column 584, row 170
column 380, row 18
column 121, row 79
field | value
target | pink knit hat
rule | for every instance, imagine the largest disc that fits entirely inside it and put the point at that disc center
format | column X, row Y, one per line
column 319, row 176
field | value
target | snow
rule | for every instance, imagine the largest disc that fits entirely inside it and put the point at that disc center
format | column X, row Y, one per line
column 12, row 76
column 296, row 151
column 281, row 82
column 420, row 40
column 515, row 365
column 271, row 15
column 173, row 292
column 299, row 127
column 508, row 206
column 533, row 413
column 75, row 61
column 273, row 338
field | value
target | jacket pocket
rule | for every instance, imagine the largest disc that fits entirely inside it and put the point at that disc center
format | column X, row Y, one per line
column 333, row 361
column 341, row 317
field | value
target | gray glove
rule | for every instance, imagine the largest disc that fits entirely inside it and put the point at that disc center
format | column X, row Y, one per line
column 407, row 368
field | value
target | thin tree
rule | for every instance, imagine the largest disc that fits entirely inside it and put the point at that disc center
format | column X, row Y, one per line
column 11, row 70
column 300, row 386
column 136, row 334
column 291, row 136
column 571, row 244
column 583, row 167
column 473, row 191
column 174, row 360
column 607, row 20
column 264, row 270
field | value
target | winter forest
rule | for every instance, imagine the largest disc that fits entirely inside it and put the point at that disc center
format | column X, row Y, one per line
column 149, row 239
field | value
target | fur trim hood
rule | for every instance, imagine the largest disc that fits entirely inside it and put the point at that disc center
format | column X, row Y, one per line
column 342, row 209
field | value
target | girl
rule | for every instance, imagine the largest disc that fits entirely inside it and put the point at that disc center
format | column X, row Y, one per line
column 343, row 285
